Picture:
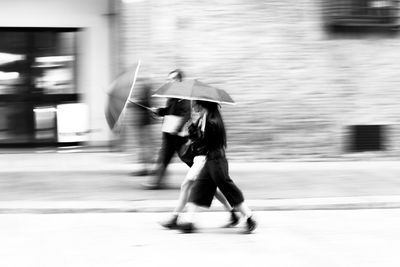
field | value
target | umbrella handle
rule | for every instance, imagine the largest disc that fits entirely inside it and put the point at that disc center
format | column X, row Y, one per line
column 140, row 105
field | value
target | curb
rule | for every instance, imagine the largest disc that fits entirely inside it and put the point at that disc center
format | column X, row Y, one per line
column 50, row 207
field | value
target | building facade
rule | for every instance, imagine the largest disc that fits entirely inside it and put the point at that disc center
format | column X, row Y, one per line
column 56, row 61
column 303, row 91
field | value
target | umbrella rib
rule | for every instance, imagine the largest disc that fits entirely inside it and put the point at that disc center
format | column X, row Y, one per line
column 129, row 96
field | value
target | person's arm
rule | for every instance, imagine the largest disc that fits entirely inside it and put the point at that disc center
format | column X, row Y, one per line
column 185, row 110
column 161, row 112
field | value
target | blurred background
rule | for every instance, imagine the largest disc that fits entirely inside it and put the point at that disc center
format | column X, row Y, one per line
column 313, row 79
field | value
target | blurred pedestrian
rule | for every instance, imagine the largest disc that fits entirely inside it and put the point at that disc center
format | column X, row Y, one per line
column 196, row 129
column 176, row 114
column 215, row 173
column 142, row 120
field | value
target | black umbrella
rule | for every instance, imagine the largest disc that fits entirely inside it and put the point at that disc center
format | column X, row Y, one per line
column 119, row 93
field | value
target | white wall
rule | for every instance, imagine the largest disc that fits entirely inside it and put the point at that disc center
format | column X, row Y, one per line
column 94, row 46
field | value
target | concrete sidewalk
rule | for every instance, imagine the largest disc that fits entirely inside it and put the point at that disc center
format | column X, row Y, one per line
column 100, row 182
column 120, row 162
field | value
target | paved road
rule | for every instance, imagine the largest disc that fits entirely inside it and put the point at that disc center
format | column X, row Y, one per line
column 334, row 238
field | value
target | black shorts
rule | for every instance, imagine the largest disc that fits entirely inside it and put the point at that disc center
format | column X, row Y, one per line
column 215, row 174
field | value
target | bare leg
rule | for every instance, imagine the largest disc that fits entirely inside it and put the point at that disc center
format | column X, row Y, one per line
column 188, row 225
column 184, row 193
column 221, row 198
column 251, row 224
column 234, row 219
column 244, row 210
column 183, row 196
column 191, row 176
column 191, row 212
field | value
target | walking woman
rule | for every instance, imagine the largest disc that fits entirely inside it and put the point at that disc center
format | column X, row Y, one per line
column 215, row 173
column 198, row 156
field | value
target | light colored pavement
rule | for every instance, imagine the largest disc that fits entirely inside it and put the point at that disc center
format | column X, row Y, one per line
column 81, row 160
column 51, row 181
column 329, row 238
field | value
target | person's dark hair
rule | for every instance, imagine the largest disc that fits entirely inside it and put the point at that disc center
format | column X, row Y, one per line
column 214, row 116
column 179, row 74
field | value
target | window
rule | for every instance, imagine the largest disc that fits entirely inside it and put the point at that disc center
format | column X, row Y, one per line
column 14, row 66
column 37, row 61
column 362, row 13
column 54, row 62
column 38, row 68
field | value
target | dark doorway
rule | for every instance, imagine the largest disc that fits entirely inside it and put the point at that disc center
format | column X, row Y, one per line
column 38, row 71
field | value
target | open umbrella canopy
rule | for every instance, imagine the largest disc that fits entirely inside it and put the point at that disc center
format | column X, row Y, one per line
column 193, row 89
column 119, row 93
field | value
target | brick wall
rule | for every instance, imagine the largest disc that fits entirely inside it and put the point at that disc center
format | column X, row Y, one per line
column 298, row 88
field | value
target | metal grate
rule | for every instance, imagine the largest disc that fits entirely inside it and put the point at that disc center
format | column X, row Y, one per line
column 362, row 12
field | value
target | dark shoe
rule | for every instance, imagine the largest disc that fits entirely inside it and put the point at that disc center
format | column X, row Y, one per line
column 186, row 228
column 250, row 225
column 153, row 186
column 171, row 223
column 139, row 173
column 151, row 172
column 233, row 221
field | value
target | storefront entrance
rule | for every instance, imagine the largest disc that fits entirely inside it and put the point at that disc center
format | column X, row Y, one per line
column 38, row 72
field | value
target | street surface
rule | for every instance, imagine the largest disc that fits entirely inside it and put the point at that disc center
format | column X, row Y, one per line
column 328, row 238
column 84, row 209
